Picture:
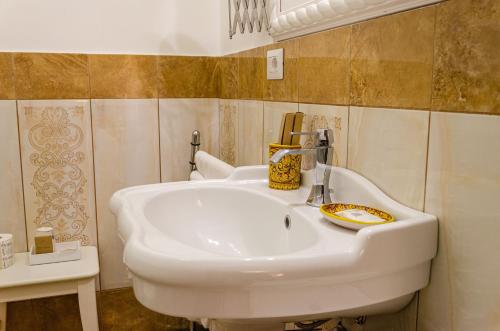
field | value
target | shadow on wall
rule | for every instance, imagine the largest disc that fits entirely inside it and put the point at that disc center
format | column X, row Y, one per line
column 175, row 44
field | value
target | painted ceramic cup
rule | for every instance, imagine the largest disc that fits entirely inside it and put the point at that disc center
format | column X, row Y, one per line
column 285, row 175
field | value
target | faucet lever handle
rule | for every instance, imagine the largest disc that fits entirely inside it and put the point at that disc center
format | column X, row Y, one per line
column 323, row 137
column 305, row 134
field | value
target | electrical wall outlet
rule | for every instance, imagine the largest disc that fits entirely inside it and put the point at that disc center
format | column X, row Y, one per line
column 275, row 64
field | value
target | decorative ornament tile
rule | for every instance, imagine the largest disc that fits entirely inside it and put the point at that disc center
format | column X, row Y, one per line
column 56, row 150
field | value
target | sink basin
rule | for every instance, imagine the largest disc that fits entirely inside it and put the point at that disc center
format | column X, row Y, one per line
column 252, row 224
column 235, row 251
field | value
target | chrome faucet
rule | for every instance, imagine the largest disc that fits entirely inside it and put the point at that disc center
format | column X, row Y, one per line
column 323, row 146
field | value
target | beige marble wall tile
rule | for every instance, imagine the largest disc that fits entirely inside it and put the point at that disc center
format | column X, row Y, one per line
column 324, row 67
column 51, row 76
column 250, row 132
column 228, row 131
column 178, row 119
column 285, row 89
column 7, row 85
column 11, row 190
column 241, row 131
column 126, row 153
column 273, row 112
column 389, row 147
column 188, row 77
column 58, row 174
column 251, row 74
column 466, row 61
column 123, row 76
column 331, row 117
column 391, row 60
column 463, row 186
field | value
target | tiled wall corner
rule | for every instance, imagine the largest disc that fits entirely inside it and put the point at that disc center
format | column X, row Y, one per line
column 51, row 76
column 286, row 89
column 58, row 172
column 178, row 119
column 389, row 147
column 466, row 61
column 463, row 186
column 126, row 153
column 391, row 60
column 273, row 111
column 229, row 73
column 404, row 320
column 11, row 188
column 123, row 76
column 323, row 67
column 188, row 77
column 228, row 131
column 251, row 74
column 331, row 117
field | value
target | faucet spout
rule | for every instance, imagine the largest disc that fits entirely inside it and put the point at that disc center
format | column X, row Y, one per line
column 275, row 159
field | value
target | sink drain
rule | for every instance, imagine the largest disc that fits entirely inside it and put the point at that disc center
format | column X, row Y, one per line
column 288, row 222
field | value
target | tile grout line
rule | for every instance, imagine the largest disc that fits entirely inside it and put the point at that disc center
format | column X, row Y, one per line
column 349, row 88
column 100, row 278
column 159, row 136
column 428, row 136
column 433, row 68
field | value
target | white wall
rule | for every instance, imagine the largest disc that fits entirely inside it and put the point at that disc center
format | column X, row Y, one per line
column 170, row 27
column 186, row 27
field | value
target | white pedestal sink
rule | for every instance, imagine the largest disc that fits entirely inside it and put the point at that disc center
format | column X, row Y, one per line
column 220, row 250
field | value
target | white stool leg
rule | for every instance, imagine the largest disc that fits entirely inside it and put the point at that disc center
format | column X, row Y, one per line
column 87, row 303
column 3, row 316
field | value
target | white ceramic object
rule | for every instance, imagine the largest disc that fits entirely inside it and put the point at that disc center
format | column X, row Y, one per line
column 63, row 252
column 220, row 250
column 347, row 222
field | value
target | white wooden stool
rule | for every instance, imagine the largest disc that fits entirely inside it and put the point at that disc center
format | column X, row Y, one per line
column 22, row 282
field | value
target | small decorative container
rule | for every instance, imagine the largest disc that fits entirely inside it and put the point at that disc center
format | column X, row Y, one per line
column 285, row 175
column 44, row 240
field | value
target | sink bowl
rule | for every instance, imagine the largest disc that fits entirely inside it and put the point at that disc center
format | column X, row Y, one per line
column 251, row 224
column 235, row 251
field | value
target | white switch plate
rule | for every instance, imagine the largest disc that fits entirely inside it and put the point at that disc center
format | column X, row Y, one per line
column 275, row 64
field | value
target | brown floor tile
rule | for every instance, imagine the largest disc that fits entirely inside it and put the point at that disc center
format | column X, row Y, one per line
column 120, row 311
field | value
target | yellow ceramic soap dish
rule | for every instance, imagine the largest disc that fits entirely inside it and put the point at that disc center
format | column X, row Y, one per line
column 353, row 216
